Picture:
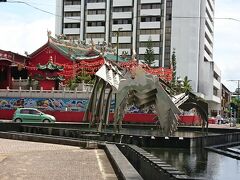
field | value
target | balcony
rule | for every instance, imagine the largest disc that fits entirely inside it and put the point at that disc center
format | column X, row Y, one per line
column 216, row 84
column 72, row 8
column 120, row 3
column 212, row 4
column 125, row 27
column 95, row 29
column 122, row 39
column 208, row 46
column 209, row 35
column 216, row 99
column 150, row 1
column 96, row 17
column 209, row 10
column 122, row 15
column 72, row 19
column 101, row 5
column 207, row 57
column 71, row 31
column 145, row 37
column 150, row 12
column 142, row 50
column 150, row 25
column 210, row 24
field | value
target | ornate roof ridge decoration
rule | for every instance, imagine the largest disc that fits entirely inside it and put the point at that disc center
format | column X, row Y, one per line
column 87, row 58
column 50, row 66
column 101, row 49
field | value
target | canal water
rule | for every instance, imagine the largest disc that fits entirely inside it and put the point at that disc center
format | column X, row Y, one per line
column 200, row 163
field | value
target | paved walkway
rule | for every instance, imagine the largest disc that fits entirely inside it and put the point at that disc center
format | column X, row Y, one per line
column 22, row 160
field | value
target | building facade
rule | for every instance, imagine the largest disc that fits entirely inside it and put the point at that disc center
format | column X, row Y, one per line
column 225, row 101
column 12, row 66
column 185, row 27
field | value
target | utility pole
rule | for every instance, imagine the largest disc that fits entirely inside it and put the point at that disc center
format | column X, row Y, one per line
column 118, row 31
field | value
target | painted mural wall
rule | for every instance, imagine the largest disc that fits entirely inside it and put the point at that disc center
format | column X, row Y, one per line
column 50, row 104
column 56, row 104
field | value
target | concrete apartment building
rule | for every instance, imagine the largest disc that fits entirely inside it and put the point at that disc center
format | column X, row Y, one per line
column 184, row 25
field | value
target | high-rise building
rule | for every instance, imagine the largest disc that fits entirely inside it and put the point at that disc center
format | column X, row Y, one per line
column 183, row 26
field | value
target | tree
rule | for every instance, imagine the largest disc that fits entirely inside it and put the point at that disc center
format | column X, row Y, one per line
column 173, row 83
column 186, row 86
column 177, row 85
column 149, row 54
column 173, row 64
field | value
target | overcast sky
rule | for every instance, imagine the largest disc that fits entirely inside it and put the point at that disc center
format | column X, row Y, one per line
column 23, row 28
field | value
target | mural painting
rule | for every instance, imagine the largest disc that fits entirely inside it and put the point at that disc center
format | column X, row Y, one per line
column 52, row 104
column 58, row 104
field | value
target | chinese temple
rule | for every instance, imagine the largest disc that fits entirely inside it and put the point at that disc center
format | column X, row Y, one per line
column 11, row 66
column 59, row 60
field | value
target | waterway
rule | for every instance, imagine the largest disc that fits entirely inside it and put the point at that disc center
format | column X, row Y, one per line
column 200, row 163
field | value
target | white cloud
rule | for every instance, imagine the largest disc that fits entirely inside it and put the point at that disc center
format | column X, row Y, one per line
column 22, row 36
column 227, row 40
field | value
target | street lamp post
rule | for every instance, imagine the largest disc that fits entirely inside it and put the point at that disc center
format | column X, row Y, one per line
column 118, row 31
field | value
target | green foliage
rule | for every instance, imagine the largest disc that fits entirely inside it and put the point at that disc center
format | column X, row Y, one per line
column 71, row 84
column 149, row 54
column 174, row 84
column 173, row 63
column 235, row 101
column 182, row 86
column 178, row 86
column 81, row 77
column 186, row 86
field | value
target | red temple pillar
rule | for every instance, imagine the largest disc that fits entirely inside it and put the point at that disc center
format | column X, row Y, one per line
column 5, row 73
column 9, row 77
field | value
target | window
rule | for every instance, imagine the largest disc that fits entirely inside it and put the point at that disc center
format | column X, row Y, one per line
column 95, row 35
column 169, row 17
column 95, row 1
column 144, row 44
column 96, row 11
column 72, row 2
column 96, row 23
column 150, row 31
column 122, row 9
column 215, row 91
column 124, row 46
column 169, row 4
column 122, row 21
column 150, row 19
column 151, row 6
column 24, row 111
column 71, row 14
column 72, row 25
column 32, row 111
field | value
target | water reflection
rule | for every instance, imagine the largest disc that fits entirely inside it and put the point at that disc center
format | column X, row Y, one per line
column 200, row 163
column 154, row 132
